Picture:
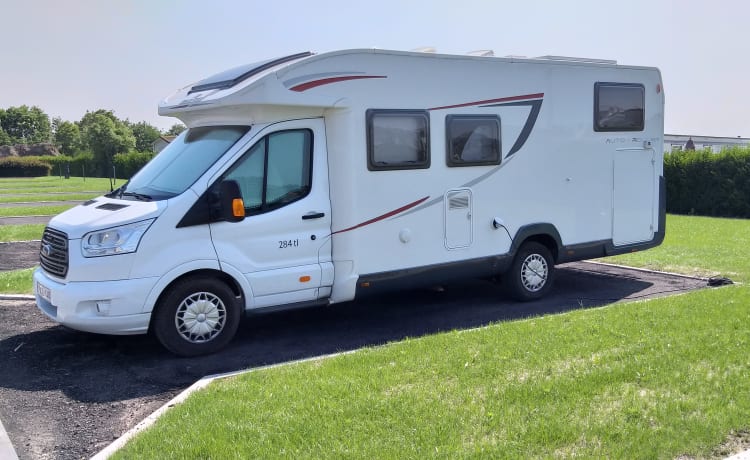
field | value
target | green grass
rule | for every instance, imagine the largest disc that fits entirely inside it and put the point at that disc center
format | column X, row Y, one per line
column 49, row 197
column 702, row 246
column 25, row 232
column 642, row 380
column 16, row 281
column 54, row 184
column 649, row 379
column 33, row 210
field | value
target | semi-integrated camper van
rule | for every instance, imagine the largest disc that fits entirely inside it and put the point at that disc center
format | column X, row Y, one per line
column 314, row 179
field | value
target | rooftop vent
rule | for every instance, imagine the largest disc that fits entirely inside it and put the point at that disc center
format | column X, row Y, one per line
column 486, row 53
column 425, row 49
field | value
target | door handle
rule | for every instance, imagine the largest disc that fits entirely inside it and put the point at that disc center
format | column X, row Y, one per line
column 313, row 215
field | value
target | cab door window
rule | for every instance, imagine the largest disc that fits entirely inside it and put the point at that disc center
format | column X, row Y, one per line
column 276, row 171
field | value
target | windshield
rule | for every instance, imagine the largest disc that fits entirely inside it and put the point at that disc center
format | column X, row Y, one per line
column 181, row 163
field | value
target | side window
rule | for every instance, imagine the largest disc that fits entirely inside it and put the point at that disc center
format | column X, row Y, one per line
column 472, row 140
column 276, row 171
column 398, row 139
column 618, row 107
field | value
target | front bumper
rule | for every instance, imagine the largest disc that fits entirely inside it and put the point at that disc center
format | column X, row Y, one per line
column 103, row 307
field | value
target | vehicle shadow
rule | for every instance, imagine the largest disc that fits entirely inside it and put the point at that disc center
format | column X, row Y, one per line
column 90, row 368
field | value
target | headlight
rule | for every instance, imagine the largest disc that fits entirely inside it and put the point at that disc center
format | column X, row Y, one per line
column 117, row 240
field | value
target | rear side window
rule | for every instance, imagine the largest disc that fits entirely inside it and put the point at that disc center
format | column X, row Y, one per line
column 398, row 139
column 618, row 107
column 472, row 140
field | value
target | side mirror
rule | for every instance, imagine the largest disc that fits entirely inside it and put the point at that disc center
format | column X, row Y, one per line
column 230, row 197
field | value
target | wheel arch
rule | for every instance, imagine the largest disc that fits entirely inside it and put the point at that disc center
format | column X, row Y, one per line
column 542, row 233
column 194, row 269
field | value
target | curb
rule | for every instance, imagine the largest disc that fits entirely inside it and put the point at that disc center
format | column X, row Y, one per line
column 200, row 384
column 644, row 270
column 6, row 448
column 17, row 297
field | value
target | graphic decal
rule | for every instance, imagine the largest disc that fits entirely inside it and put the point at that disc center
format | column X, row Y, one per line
column 534, row 101
column 496, row 102
column 384, row 216
column 536, row 106
column 306, row 82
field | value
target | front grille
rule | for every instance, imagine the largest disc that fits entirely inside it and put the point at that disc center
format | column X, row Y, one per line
column 53, row 253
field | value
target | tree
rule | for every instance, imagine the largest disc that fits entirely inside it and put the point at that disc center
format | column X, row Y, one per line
column 67, row 136
column 26, row 125
column 176, row 129
column 145, row 135
column 4, row 138
column 105, row 135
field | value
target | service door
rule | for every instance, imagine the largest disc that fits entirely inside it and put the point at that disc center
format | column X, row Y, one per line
column 634, row 196
column 283, row 245
column 458, row 218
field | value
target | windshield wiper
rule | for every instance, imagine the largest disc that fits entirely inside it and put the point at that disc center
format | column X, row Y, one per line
column 117, row 193
column 137, row 196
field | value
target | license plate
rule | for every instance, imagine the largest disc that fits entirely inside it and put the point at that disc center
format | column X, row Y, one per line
column 44, row 292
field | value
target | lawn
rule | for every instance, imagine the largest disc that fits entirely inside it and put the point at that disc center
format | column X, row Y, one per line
column 37, row 197
column 16, row 281
column 33, row 210
column 24, row 232
column 51, row 188
column 55, row 184
column 702, row 246
column 650, row 379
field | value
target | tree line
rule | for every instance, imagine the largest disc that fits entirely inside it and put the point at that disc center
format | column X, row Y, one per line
column 99, row 134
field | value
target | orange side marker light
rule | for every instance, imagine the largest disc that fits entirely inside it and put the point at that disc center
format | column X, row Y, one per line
column 238, row 207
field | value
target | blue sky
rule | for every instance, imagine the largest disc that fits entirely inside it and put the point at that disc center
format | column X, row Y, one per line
column 76, row 55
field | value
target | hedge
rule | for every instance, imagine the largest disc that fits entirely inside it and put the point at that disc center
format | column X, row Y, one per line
column 709, row 184
column 127, row 164
column 80, row 165
column 23, row 167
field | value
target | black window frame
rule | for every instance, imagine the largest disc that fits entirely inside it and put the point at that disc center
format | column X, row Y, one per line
column 597, row 88
column 265, row 207
column 371, row 164
column 450, row 162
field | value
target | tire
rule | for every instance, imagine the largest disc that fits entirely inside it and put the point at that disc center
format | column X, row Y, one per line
column 197, row 316
column 532, row 274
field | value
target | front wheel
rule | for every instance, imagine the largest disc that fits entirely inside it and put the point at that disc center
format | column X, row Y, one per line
column 532, row 273
column 197, row 316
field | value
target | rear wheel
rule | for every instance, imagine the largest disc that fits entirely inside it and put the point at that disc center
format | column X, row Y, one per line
column 197, row 316
column 532, row 273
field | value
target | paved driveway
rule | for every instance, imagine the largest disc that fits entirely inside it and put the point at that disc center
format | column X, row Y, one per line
column 67, row 394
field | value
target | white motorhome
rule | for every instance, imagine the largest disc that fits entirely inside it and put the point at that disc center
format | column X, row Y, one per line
column 314, row 179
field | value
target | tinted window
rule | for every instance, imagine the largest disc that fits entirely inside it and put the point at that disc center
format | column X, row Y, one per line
column 397, row 139
column 472, row 140
column 618, row 107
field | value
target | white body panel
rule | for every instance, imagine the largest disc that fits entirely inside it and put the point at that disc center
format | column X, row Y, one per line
column 596, row 189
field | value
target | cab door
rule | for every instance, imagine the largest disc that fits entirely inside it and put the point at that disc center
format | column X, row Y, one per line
column 282, row 247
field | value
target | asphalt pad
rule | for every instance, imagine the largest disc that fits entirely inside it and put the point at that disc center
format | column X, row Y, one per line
column 68, row 394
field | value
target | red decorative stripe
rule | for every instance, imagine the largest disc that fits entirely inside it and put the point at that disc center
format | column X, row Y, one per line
column 384, row 216
column 488, row 101
column 328, row 81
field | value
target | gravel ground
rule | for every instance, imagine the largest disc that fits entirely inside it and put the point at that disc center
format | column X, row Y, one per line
column 67, row 394
column 18, row 255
